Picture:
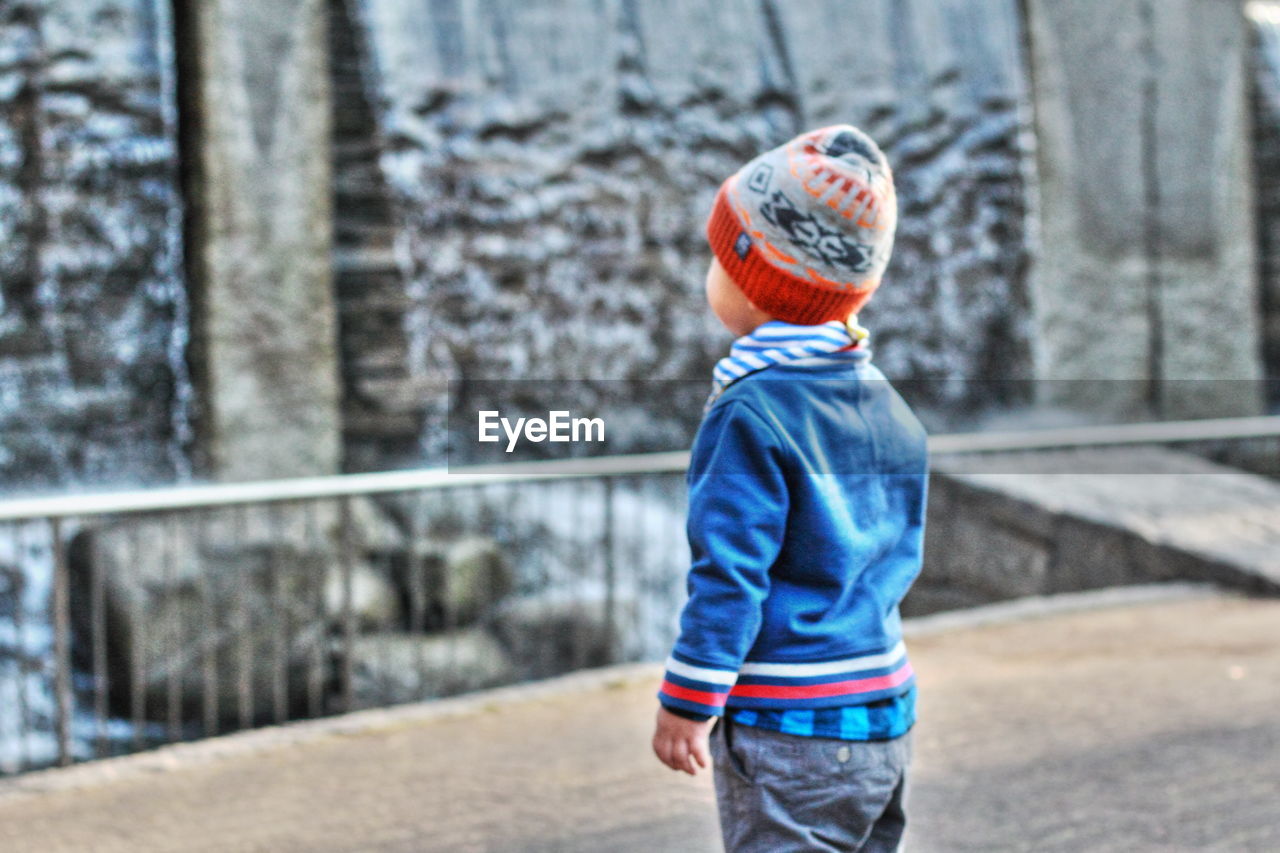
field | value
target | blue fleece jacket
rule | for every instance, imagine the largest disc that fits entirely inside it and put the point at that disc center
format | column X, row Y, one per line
column 807, row 486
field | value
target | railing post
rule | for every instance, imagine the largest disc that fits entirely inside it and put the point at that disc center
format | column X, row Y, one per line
column 320, row 651
column 610, row 570
column 61, row 642
column 347, row 548
column 284, row 621
column 215, row 615
column 174, row 696
column 246, row 662
column 98, row 632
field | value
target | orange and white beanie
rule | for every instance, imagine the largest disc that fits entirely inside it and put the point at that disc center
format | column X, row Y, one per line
column 806, row 230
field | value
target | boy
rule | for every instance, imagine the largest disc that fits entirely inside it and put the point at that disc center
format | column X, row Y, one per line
column 806, row 514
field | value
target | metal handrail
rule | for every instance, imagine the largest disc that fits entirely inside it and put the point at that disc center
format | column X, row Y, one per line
column 57, row 513
column 348, row 485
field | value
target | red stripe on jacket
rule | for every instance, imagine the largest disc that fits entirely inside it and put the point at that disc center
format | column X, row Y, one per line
column 834, row 688
column 792, row 691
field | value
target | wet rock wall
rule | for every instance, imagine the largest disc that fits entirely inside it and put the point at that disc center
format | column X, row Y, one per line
column 93, row 383
column 519, row 191
column 551, row 166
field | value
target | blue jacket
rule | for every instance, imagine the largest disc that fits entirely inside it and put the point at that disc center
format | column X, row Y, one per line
column 807, row 485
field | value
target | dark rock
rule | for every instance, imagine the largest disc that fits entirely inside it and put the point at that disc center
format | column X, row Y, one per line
column 390, row 668
column 226, row 603
column 561, row 630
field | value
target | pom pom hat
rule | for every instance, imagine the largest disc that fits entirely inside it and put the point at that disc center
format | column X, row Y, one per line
column 806, row 230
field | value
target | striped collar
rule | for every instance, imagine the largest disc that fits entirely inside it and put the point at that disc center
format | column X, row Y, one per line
column 776, row 342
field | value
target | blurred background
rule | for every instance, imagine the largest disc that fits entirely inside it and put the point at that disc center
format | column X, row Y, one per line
column 267, row 241
column 248, row 240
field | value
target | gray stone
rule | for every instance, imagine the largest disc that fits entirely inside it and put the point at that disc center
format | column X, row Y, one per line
column 264, row 328
column 254, row 592
column 926, row 597
column 994, row 558
column 983, row 543
column 375, row 599
column 562, row 629
column 476, row 575
column 1147, row 240
column 390, row 668
column 1091, row 555
column 197, row 622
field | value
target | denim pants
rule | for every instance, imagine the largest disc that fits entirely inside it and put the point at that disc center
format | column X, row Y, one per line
column 780, row 792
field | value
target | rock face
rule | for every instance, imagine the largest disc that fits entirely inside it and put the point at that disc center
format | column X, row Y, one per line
column 551, row 199
column 509, row 205
column 231, row 604
column 1146, row 254
column 562, row 630
column 93, row 387
column 236, row 616
column 390, row 668
column 381, row 418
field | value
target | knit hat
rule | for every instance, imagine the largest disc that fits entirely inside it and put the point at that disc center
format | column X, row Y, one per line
column 806, row 230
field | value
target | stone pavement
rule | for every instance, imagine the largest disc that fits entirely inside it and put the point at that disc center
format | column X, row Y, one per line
column 1150, row 726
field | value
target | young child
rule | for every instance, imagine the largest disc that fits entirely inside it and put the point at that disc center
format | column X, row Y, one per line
column 807, row 491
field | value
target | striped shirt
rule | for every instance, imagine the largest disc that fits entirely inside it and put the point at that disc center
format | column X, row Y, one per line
column 777, row 342
column 881, row 720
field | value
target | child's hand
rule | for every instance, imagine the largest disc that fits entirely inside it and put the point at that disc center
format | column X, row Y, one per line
column 681, row 743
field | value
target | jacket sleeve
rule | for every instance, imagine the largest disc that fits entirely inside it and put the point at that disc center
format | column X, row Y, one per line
column 737, row 518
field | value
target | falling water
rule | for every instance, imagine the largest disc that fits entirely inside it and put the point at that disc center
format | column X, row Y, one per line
column 552, row 198
column 92, row 305
column 93, row 382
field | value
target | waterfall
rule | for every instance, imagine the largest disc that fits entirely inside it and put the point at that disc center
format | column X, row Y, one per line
column 552, row 199
column 93, row 315
column 92, row 302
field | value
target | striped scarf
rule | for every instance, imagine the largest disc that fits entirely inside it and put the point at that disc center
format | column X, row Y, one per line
column 776, row 342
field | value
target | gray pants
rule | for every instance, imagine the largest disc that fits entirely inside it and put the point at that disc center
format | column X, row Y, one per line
column 780, row 792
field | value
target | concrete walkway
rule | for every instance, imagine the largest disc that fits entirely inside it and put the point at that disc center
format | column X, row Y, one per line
column 1133, row 727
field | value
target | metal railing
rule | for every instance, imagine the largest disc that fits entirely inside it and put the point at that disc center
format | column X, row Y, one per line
column 135, row 618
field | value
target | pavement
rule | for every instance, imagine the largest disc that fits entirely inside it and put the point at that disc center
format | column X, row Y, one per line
column 1132, row 725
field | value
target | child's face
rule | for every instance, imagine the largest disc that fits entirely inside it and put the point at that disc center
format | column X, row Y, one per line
column 730, row 304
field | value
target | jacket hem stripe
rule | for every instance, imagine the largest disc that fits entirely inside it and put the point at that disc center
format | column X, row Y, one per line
column 704, row 697
column 701, row 673
column 833, row 667
column 832, row 688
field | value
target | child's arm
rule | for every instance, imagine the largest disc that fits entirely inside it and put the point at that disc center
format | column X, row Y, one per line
column 737, row 517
